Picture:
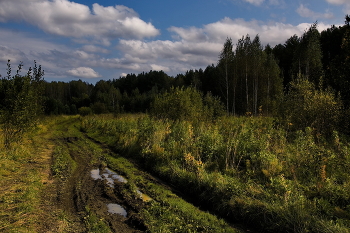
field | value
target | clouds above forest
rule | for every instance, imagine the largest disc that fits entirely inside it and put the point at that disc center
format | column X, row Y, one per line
column 197, row 47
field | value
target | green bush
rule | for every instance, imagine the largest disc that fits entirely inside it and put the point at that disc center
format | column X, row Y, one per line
column 186, row 104
column 306, row 106
column 84, row 111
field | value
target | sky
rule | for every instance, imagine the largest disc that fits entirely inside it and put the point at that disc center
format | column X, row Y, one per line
column 93, row 39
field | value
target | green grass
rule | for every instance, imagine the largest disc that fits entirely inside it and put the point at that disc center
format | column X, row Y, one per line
column 94, row 223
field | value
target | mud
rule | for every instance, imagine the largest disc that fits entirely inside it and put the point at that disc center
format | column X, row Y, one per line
column 85, row 191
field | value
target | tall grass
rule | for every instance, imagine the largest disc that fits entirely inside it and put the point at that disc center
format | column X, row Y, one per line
column 249, row 169
column 22, row 173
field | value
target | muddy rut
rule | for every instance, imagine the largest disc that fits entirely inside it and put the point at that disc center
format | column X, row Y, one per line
column 80, row 195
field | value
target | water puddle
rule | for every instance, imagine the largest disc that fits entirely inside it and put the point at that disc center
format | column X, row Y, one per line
column 95, row 174
column 116, row 209
column 108, row 175
column 143, row 196
column 111, row 177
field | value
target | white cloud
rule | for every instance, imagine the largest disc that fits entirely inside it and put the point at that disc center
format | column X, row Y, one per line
column 255, row 2
column 70, row 19
column 338, row 2
column 305, row 12
column 83, row 72
column 346, row 3
column 280, row 3
column 159, row 68
column 216, row 33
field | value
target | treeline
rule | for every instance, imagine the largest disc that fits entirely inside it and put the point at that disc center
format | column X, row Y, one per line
column 251, row 78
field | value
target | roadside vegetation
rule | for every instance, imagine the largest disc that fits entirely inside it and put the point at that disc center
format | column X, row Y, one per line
column 248, row 170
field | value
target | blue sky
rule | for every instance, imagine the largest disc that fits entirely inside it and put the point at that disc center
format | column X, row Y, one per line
column 93, row 40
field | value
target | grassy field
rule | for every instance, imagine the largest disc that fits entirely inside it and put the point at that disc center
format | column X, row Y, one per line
column 250, row 170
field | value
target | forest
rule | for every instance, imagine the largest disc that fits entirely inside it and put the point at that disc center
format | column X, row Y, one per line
column 259, row 140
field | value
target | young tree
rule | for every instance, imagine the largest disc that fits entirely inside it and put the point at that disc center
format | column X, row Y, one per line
column 20, row 104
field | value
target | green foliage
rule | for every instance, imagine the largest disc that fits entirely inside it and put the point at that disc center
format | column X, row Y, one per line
column 308, row 56
column 62, row 164
column 305, row 106
column 95, row 224
column 20, row 104
column 185, row 104
column 84, row 111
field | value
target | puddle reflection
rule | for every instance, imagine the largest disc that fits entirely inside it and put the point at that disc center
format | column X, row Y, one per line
column 116, row 209
column 108, row 175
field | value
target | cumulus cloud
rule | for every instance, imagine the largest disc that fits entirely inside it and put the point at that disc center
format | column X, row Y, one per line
column 70, row 19
column 83, row 72
column 217, row 32
column 305, row 12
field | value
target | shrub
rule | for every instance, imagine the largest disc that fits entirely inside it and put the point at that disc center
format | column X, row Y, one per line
column 186, row 104
column 305, row 106
column 84, row 111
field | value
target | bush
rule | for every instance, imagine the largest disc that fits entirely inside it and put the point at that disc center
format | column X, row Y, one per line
column 305, row 106
column 84, row 111
column 186, row 104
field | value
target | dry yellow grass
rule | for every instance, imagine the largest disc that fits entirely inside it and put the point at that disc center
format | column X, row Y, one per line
column 26, row 185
